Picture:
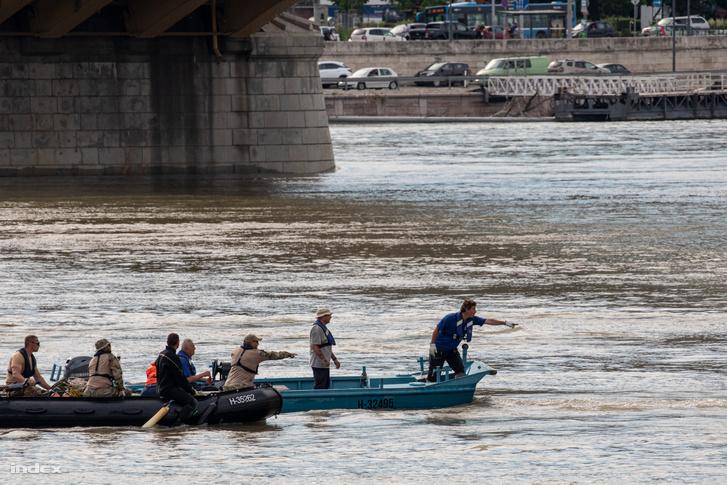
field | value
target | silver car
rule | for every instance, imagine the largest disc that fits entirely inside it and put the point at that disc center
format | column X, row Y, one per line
column 572, row 66
column 372, row 77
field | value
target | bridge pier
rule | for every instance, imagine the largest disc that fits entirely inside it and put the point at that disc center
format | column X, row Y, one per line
column 119, row 105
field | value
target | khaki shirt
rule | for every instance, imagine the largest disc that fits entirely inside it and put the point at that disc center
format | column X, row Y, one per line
column 108, row 364
column 239, row 378
column 318, row 337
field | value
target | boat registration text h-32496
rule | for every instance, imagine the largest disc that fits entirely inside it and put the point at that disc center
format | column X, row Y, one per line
column 385, row 403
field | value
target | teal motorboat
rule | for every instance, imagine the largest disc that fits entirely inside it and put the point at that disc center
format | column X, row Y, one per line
column 408, row 391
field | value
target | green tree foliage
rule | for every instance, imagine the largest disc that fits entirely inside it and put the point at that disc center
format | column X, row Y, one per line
column 415, row 5
column 350, row 5
column 410, row 7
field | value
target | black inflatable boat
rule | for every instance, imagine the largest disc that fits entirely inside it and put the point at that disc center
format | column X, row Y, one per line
column 56, row 412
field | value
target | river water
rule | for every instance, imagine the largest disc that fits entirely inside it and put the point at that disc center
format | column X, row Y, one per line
column 605, row 241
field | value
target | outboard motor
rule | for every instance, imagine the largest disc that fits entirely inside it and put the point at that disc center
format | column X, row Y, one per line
column 77, row 367
column 221, row 368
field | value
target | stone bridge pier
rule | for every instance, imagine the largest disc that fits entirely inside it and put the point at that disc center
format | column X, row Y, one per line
column 123, row 105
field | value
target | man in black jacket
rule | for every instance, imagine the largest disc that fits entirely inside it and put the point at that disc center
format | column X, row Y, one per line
column 172, row 384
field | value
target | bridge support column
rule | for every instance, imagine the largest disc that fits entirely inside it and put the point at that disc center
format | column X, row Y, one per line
column 77, row 106
column 287, row 127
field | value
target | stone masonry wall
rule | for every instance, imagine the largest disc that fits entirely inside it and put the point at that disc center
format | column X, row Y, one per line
column 414, row 105
column 640, row 54
column 129, row 106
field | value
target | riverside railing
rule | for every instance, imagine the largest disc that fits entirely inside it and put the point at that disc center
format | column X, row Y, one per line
column 548, row 85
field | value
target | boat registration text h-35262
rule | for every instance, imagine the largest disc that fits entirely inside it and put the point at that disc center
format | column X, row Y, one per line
column 241, row 399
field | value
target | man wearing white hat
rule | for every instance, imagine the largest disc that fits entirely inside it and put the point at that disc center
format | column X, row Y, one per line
column 321, row 350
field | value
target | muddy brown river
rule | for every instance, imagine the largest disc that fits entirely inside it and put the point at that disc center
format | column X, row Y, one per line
column 606, row 242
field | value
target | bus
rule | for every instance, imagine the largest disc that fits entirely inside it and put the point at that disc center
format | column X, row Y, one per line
column 538, row 24
column 533, row 19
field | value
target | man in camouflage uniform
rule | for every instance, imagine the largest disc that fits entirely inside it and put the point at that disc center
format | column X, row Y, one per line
column 105, row 378
column 245, row 361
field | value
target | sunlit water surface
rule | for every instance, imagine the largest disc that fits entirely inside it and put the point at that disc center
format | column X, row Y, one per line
column 605, row 241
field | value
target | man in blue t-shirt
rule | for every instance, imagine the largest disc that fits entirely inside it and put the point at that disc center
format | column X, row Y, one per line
column 188, row 368
column 450, row 331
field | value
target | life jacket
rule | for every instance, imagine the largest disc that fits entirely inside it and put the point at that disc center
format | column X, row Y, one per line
column 94, row 372
column 151, row 374
column 329, row 335
column 462, row 330
column 244, row 348
column 29, row 365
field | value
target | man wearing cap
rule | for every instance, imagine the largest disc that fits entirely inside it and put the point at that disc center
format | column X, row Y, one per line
column 450, row 331
column 23, row 369
column 245, row 361
column 105, row 378
column 321, row 350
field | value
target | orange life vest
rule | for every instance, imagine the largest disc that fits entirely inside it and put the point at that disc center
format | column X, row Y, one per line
column 151, row 374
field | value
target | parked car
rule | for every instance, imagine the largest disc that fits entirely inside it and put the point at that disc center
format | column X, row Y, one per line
column 373, row 34
column 571, row 66
column 440, row 31
column 663, row 27
column 376, row 77
column 516, row 66
column 333, row 69
column 485, row 32
column 410, row 31
column 442, row 69
column 329, row 33
column 596, row 28
column 615, row 68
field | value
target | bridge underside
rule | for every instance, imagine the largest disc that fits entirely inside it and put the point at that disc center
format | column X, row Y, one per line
column 143, row 18
column 138, row 87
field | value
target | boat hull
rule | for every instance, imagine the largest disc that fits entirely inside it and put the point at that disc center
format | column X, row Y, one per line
column 382, row 399
column 52, row 412
column 400, row 392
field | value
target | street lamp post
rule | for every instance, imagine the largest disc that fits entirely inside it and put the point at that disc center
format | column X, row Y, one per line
column 673, row 37
column 636, row 3
column 449, row 23
column 493, row 22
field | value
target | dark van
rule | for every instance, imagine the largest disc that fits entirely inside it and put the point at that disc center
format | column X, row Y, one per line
column 442, row 70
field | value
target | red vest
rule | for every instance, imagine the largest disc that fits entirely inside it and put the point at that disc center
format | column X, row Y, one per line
column 151, row 374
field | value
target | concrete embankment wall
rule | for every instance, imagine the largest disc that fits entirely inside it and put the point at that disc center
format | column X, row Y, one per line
column 640, row 54
column 133, row 106
column 462, row 104
column 430, row 105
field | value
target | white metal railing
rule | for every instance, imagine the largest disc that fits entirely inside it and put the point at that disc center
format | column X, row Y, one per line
column 599, row 85
column 548, row 85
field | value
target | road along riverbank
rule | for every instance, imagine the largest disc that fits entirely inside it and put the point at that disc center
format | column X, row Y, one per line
column 642, row 55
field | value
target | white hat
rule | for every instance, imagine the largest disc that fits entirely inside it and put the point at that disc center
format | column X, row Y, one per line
column 322, row 312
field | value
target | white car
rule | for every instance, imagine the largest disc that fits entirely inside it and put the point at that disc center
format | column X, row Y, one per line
column 372, row 77
column 374, row 34
column 570, row 66
column 333, row 69
column 663, row 26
